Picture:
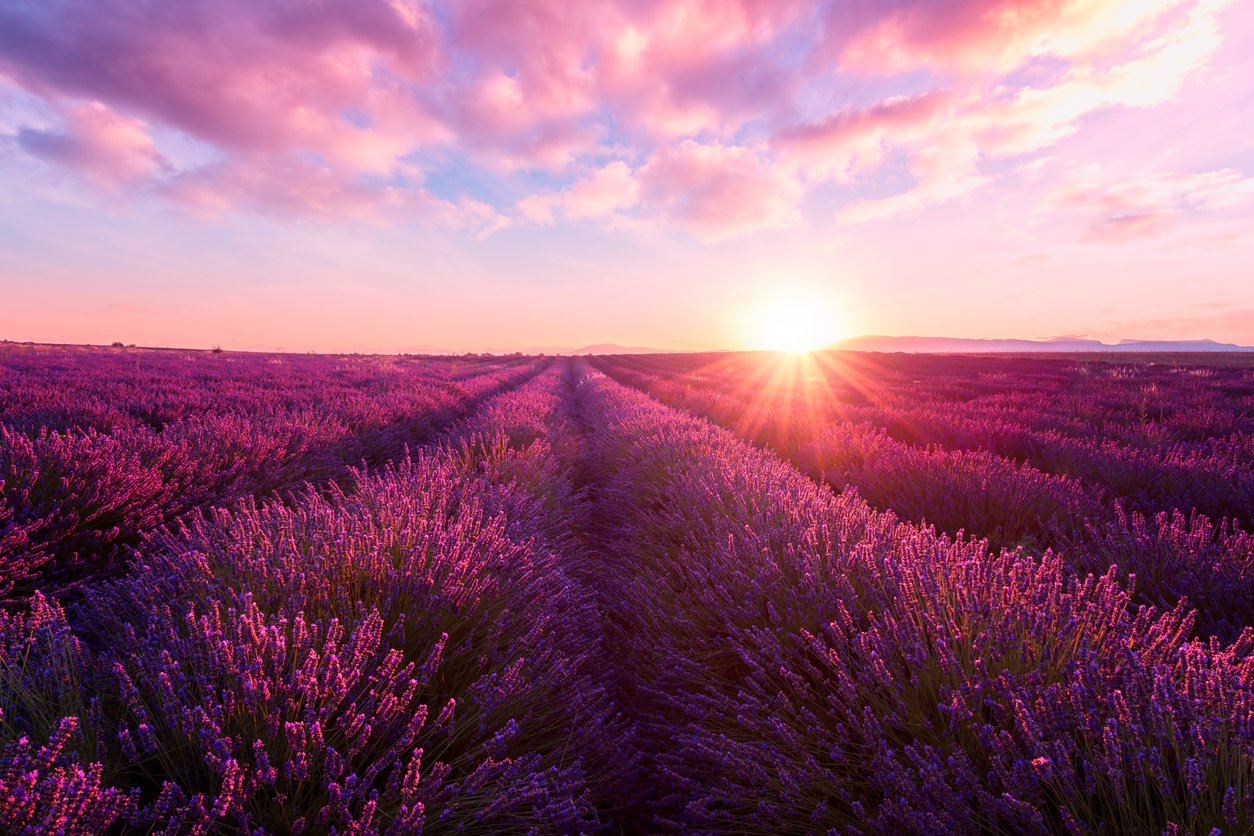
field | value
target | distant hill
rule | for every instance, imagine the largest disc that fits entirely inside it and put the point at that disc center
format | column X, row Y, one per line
column 961, row 345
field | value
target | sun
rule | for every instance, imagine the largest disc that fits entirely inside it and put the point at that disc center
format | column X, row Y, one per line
column 795, row 323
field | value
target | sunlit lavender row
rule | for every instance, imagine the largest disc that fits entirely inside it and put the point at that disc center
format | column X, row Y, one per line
column 1145, row 465
column 516, row 596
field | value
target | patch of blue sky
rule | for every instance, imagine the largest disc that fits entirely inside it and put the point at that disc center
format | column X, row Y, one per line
column 452, row 175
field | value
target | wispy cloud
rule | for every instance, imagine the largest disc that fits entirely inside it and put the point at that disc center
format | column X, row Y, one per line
column 1117, row 210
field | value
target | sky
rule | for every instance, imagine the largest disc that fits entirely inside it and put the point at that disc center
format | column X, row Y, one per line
column 398, row 175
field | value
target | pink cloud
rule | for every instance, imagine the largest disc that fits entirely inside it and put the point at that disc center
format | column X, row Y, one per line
column 521, row 94
column 711, row 191
column 945, row 137
column 940, row 188
column 681, row 68
column 859, row 138
column 1139, row 206
column 1144, row 75
column 598, row 195
column 296, row 188
column 978, row 36
column 250, row 75
column 665, row 68
column 112, row 151
column 287, row 187
column 610, row 188
column 717, row 191
column 1125, row 227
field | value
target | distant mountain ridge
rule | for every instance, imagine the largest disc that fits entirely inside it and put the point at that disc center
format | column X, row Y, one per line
column 962, row 345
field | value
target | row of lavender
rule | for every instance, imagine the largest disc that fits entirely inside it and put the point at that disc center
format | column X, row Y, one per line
column 106, row 389
column 804, row 664
column 1162, row 434
column 1110, row 517
column 99, row 446
column 408, row 652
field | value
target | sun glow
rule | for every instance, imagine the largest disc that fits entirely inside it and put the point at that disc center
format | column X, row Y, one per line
column 796, row 323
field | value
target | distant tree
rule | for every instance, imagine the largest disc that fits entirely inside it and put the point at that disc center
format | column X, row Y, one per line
column 217, row 349
column 119, row 344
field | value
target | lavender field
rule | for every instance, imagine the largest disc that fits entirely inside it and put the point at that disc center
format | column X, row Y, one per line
column 716, row 593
